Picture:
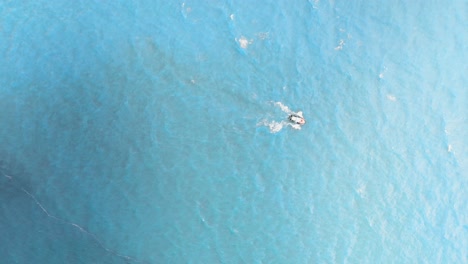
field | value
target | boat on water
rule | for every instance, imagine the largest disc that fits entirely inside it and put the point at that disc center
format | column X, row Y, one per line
column 297, row 118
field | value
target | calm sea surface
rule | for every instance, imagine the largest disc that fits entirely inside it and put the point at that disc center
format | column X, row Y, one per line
column 156, row 131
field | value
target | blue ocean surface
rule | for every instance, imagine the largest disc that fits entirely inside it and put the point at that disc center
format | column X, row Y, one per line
column 157, row 131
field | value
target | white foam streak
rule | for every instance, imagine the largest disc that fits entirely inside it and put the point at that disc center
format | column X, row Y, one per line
column 275, row 126
column 283, row 107
column 244, row 42
column 391, row 97
column 272, row 125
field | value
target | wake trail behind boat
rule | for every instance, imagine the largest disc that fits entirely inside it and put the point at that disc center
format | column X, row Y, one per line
column 276, row 126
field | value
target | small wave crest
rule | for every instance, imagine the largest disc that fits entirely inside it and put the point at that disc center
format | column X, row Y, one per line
column 276, row 126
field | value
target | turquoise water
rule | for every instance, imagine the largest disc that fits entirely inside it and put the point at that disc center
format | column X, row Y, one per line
column 156, row 132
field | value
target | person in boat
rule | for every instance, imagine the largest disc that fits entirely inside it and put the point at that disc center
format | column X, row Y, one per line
column 297, row 118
